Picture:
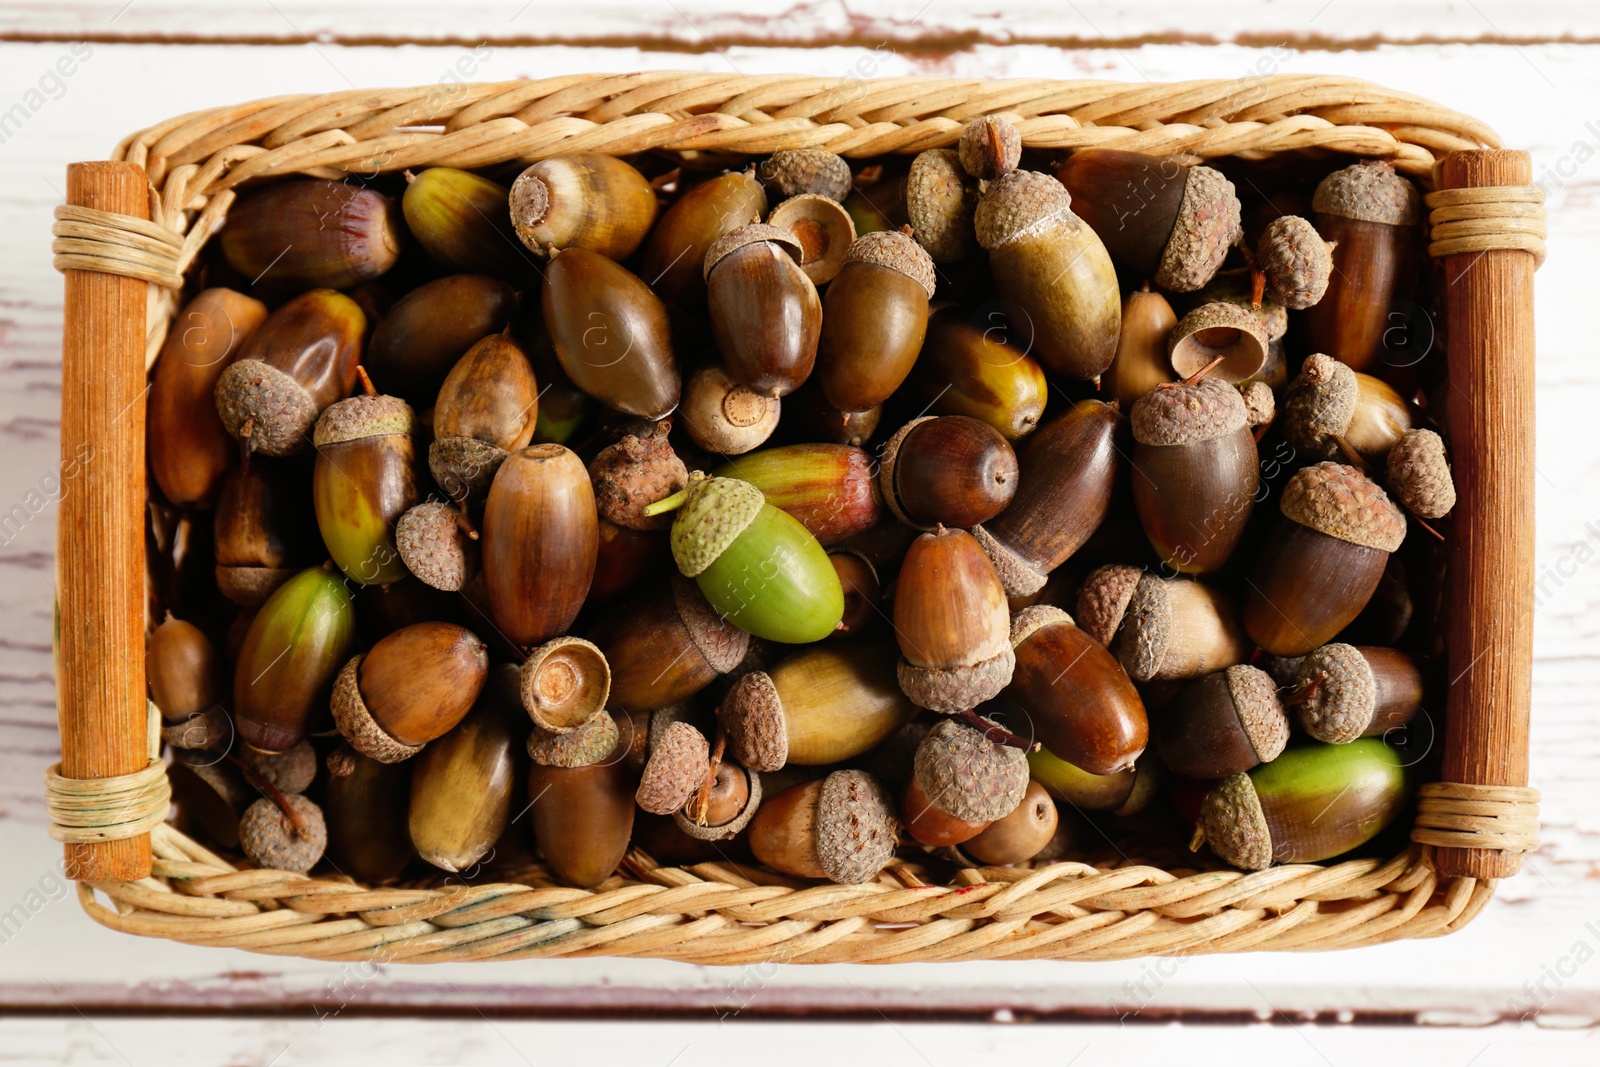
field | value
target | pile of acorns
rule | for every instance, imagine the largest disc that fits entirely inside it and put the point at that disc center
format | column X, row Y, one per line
column 752, row 535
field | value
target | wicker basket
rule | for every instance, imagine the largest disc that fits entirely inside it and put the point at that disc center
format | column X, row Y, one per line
column 134, row 226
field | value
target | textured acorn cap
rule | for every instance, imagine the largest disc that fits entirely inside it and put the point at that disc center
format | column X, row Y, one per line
column 793, row 171
column 1188, row 414
column 270, row 840
column 990, row 147
column 1419, row 474
column 1341, row 693
column 1319, row 405
column 1146, row 628
column 953, row 689
column 897, row 251
column 1021, row 203
column 1259, row 403
column 1236, row 287
column 558, row 696
column 1207, row 226
column 732, row 827
column 940, row 200
column 249, row 587
column 1235, row 826
column 434, row 547
column 752, row 717
column 1255, row 700
column 1342, row 502
column 355, row 721
column 280, row 412
column 528, row 204
column 753, row 233
column 1189, row 348
column 1017, row 576
column 363, row 416
column 713, row 516
column 289, row 771
column 1030, row 620
column 886, row 467
column 721, row 643
column 1103, row 600
column 464, row 466
column 1296, row 261
column 1370, row 191
column 588, row 744
column 855, row 827
column 677, row 765
column 966, row 775
column 634, row 472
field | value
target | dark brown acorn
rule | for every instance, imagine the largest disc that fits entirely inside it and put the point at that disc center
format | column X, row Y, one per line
column 951, row 621
column 863, row 593
column 540, row 538
column 430, row 328
column 1066, row 472
column 675, row 253
column 189, row 449
column 1222, row 724
column 1320, row 567
column 487, row 409
column 584, row 200
column 841, row 828
column 186, row 674
column 968, row 369
column 666, row 646
column 929, row 824
column 874, row 318
column 831, row 489
column 461, row 219
column 312, row 234
column 764, row 310
column 366, row 814
column 582, row 818
column 364, row 480
column 1020, row 836
column 1228, row 338
column 1194, row 472
column 807, row 412
column 947, row 470
column 624, row 558
column 610, row 333
column 823, row 229
column 1178, row 628
column 289, row 659
column 1342, row 692
column 263, row 530
column 725, row 417
column 411, row 688
column 1331, row 411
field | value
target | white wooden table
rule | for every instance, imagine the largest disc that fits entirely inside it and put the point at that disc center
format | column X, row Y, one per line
column 1520, row 983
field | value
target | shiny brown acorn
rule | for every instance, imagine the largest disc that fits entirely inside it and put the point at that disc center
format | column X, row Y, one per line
column 951, row 622
column 666, row 645
column 1141, row 361
column 1178, row 628
column 312, row 234
column 841, row 828
column 363, row 481
column 486, row 409
column 1341, row 692
column 831, row 489
column 410, row 688
column 966, row 368
column 263, row 530
column 724, row 810
column 863, row 593
column 675, row 252
column 764, row 310
column 610, row 333
column 583, row 200
column 429, row 329
column 874, row 319
column 186, row 674
column 624, row 558
column 582, row 818
column 961, row 782
column 461, row 219
column 1222, row 724
column 947, row 470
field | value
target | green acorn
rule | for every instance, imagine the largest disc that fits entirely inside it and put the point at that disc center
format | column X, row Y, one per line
column 362, row 483
column 290, row 656
column 759, row 567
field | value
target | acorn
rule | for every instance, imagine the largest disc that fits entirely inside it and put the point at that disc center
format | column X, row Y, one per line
column 290, row 656
column 1296, row 261
column 1341, row 692
column 185, row 672
column 675, row 252
column 1332, row 412
column 874, row 318
column 624, row 558
column 1141, row 362
column 968, row 369
column 947, row 470
column 723, row 416
column 592, row 742
column 679, row 761
column 796, row 171
column 312, row 234
column 1222, row 724
column 1311, row 804
column 1419, row 474
column 841, row 828
column 633, row 473
column 1020, row 836
column 928, row 824
column 1124, row 792
column 263, row 530
column 487, row 409
column 462, row 787
column 1178, row 628
column 1318, row 569
column 1195, row 472
column 1218, row 331
column 863, row 593
column 362, row 483
column 582, row 818
column 666, row 646
column 412, row 687
column 1373, row 219
column 960, row 774
column 831, row 489
column 565, row 683
column 757, row 566
column 1067, row 470
column 1079, row 702
column 990, row 147
column 300, row 360
column 435, row 544
column 610, row 333
column 765, row 315
column 823, row 229
column 729, row 805
column 271, row 839
column 425, row 334
column 366, row 815
column 951, row 622
column 540, row 538
column 583, row 200
column 189, row 449
column 822, row 705
column 1160, row 219
column 462, row 220
column 940, row 198
column 808, row 414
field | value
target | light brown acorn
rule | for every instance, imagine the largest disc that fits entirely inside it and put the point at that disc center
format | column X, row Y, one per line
column 583, row 200
column 1332, row 412
column 1020, row 836
column 429, row 329
column 1341, row 692
column 841, row 828
column 186, row 674
column 1178, row 628
column 411, row 687
column 723, row 416
column 765, row 314
column 312, row 234
column 874, row 319
column 486, row 409
column 675, row 252
column 1222, row 724
column 666, row 645
column 951, row 622
column 966, row 368
column 1141, row 361
column 1226, row 337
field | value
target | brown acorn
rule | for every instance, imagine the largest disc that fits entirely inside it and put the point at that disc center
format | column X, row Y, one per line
column 823, row 229
column 1217, row 331
column 300, row 360
column 1195, row 472
column 312, row 234
column 413, row 686
column 487, row 409
column 429, row 329
column 841, row 828
column 263, row 531
column 990, row 147
column 540, row 537
column 624, row 558
column 1419, row 474
column 725, row 417
column 610, row 333
column 874, row 318
column 1372, row 217
column 637, row 471
column 966, row 368
column 1331, row 411
column 1178, row 628
column 186, row 674
column 565, row 683
column 1222, row 724
column 666, row 646
column 584, row 200
column 366, row 814
column 863, row 593
column 582, row 818
column 729, row 805
column 1079, row 702
column 831, row 489
column 1296, row 261
column 363, row 481
column 189, row 449
column 1020, row 836
column 947, row 470
column 1126, row 792
column 461, row 219
column 1342, row 692
column 796, row 171
column 951, row 622
column 1160, row 219
column 1067, row 470
column 940, row 198
column 1320, row 567
column 958, row 773
column 1141, row 361
column 436, row 544
column 674, row 254
column 807, row 412
column 928, row 824
column 765, row 315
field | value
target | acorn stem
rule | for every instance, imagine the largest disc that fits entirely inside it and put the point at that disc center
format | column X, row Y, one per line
column 1350, row 454
column 702, row 796
column 1303, row 692
column 272, row 793
column 665, row 504
column 1197, row 375
column 995, row 735
column 1425, row 526
column 366, row 383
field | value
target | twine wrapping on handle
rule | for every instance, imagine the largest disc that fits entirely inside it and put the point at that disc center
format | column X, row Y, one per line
column 1485, row 218
column 1458, row 815
column 110, row 809
column 89, row 239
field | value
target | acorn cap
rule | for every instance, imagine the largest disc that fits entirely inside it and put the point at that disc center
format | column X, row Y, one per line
column 1146, row 628
column 1341, row 693
column 886, row 465
column 1235, row 826
column 948, row 690
column 1259, row 403
column 1021, row 203
column 897, row 251
column 528, row 204
column 634, row 472
column 966, row 775
column 249, row 587
column 1017, row 576
column 753, row 233
column 752, row 717
column 1190, row 345
column 733, row 826
column 855, row 827
column 1103, row 600
column 289, row 771
column 278, row 409
column 660, row 720
column 721, row 643
column 1188, row 414
column 1370, row 191
column 1236, row 287
column 355, row 721
column 1296, row 261
column 1419, row 474
column 1255, row 700
column 363, row 416
column 1319, row 405
column 939, row 203
column 990, row 147
column 676, row 768
column 793, row 171
column 1342, row 502
column 588, row 744
column 434, row 547
column 824, row 229
column 270, row 840
column 564, row 684
column 1207, row 226
column 1030, row 620
column 715, row 513
column 464, row 466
